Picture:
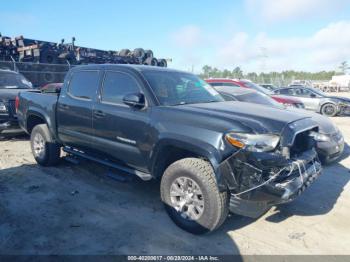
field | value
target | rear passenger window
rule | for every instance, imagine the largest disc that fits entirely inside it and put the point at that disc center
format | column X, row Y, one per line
column 84, row 84
column 116, row 86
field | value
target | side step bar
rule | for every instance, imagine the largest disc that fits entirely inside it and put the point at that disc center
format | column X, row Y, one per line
column 144, row 176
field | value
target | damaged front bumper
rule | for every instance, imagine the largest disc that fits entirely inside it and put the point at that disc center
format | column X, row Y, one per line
column 258, row 181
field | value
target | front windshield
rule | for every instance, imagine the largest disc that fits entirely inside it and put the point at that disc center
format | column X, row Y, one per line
column 178, row 88
column 13, row 81
column 257, row 87
column 259, row 98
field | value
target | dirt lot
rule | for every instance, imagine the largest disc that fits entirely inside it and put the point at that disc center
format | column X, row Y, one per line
column 79, row 209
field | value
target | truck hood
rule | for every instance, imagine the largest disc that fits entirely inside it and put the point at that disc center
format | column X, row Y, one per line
column 240, row 116
column 10, row 94
column 325, row 125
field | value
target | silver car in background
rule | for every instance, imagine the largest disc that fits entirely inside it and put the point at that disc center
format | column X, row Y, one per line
column 318, row 101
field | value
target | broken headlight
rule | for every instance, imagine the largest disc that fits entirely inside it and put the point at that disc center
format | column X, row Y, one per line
column 319, row 137
column 253, row 142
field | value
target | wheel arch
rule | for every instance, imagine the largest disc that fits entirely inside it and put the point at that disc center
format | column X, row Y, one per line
column 168, row 151
column 327, row 103
column 36, row 117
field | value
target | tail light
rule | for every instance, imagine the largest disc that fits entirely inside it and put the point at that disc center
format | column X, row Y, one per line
column 17, row 103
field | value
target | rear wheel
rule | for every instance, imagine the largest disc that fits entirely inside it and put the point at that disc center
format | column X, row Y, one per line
column 45, row 151
column 191, row 196
column 329, row 110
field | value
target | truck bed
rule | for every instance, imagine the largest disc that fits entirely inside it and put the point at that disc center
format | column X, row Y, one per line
column 40, row 103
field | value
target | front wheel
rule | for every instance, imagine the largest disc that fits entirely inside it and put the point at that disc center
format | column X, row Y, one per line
column 45, row 151
column 191, row 196
column 329, row 110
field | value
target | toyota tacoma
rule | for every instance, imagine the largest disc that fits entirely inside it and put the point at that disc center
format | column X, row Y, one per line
column 211, row 156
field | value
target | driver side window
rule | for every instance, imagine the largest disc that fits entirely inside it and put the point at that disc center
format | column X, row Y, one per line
column 116, row 85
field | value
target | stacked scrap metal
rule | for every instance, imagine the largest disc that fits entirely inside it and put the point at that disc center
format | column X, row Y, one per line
column 22, row 49
column 45, row 62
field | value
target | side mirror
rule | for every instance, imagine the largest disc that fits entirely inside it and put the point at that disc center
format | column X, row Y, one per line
column 134, row 100
column 312, row 95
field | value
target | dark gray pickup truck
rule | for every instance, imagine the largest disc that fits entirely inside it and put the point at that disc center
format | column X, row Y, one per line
column 212, row 156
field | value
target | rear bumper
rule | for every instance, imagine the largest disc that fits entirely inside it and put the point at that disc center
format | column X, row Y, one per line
column 255, row 188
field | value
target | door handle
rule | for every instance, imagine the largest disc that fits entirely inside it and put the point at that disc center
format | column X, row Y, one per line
column 99, row 114
column 63, row 106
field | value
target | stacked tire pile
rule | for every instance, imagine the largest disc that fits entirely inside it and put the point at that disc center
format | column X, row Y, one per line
column 45, row 62
column 20, row 49
column 144, row 57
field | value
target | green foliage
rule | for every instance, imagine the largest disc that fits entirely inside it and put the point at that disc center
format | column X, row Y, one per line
column 277, row 78
column 344, row 67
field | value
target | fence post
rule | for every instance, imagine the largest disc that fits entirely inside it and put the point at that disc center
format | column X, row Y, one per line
column 14, row 64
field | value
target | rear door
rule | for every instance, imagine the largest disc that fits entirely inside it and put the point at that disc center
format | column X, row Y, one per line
column 122, row 132
column 74, row 109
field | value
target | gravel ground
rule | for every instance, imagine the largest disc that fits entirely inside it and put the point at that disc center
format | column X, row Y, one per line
column 90, row 209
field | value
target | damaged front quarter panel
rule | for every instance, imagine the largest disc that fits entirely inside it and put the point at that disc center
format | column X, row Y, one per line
column 259, row 180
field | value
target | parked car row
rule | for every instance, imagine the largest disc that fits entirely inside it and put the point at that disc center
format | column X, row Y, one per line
column 295, row 95
column 290, row 101
column 318, row 101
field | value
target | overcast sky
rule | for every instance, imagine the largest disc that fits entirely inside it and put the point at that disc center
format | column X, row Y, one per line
column 257, row 35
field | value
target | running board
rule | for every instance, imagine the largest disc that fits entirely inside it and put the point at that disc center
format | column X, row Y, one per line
column 144, row 176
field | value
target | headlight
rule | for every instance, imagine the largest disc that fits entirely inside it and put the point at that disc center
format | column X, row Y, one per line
column 253, row 142
column 3, row 107
column 319, row 137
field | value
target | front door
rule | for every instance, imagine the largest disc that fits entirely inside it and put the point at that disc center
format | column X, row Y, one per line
column 121, row 132
column 310, row 99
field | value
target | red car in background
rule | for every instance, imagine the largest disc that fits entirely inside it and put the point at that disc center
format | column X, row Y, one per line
column 286, row 100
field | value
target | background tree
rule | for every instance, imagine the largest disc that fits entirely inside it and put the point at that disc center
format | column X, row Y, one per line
column 277, row 78
column 237, row 72
column 344, row 67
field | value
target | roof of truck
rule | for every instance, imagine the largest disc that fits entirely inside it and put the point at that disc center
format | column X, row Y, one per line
column 139, row 68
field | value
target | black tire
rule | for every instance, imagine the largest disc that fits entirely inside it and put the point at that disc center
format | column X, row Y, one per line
column 215, row 202
column 151, row 61
column 329, row 110
column 149, row 53
column 51, row 150
column 124, row 52
column 162, row 63
column 48, row 57
column 139, row 53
